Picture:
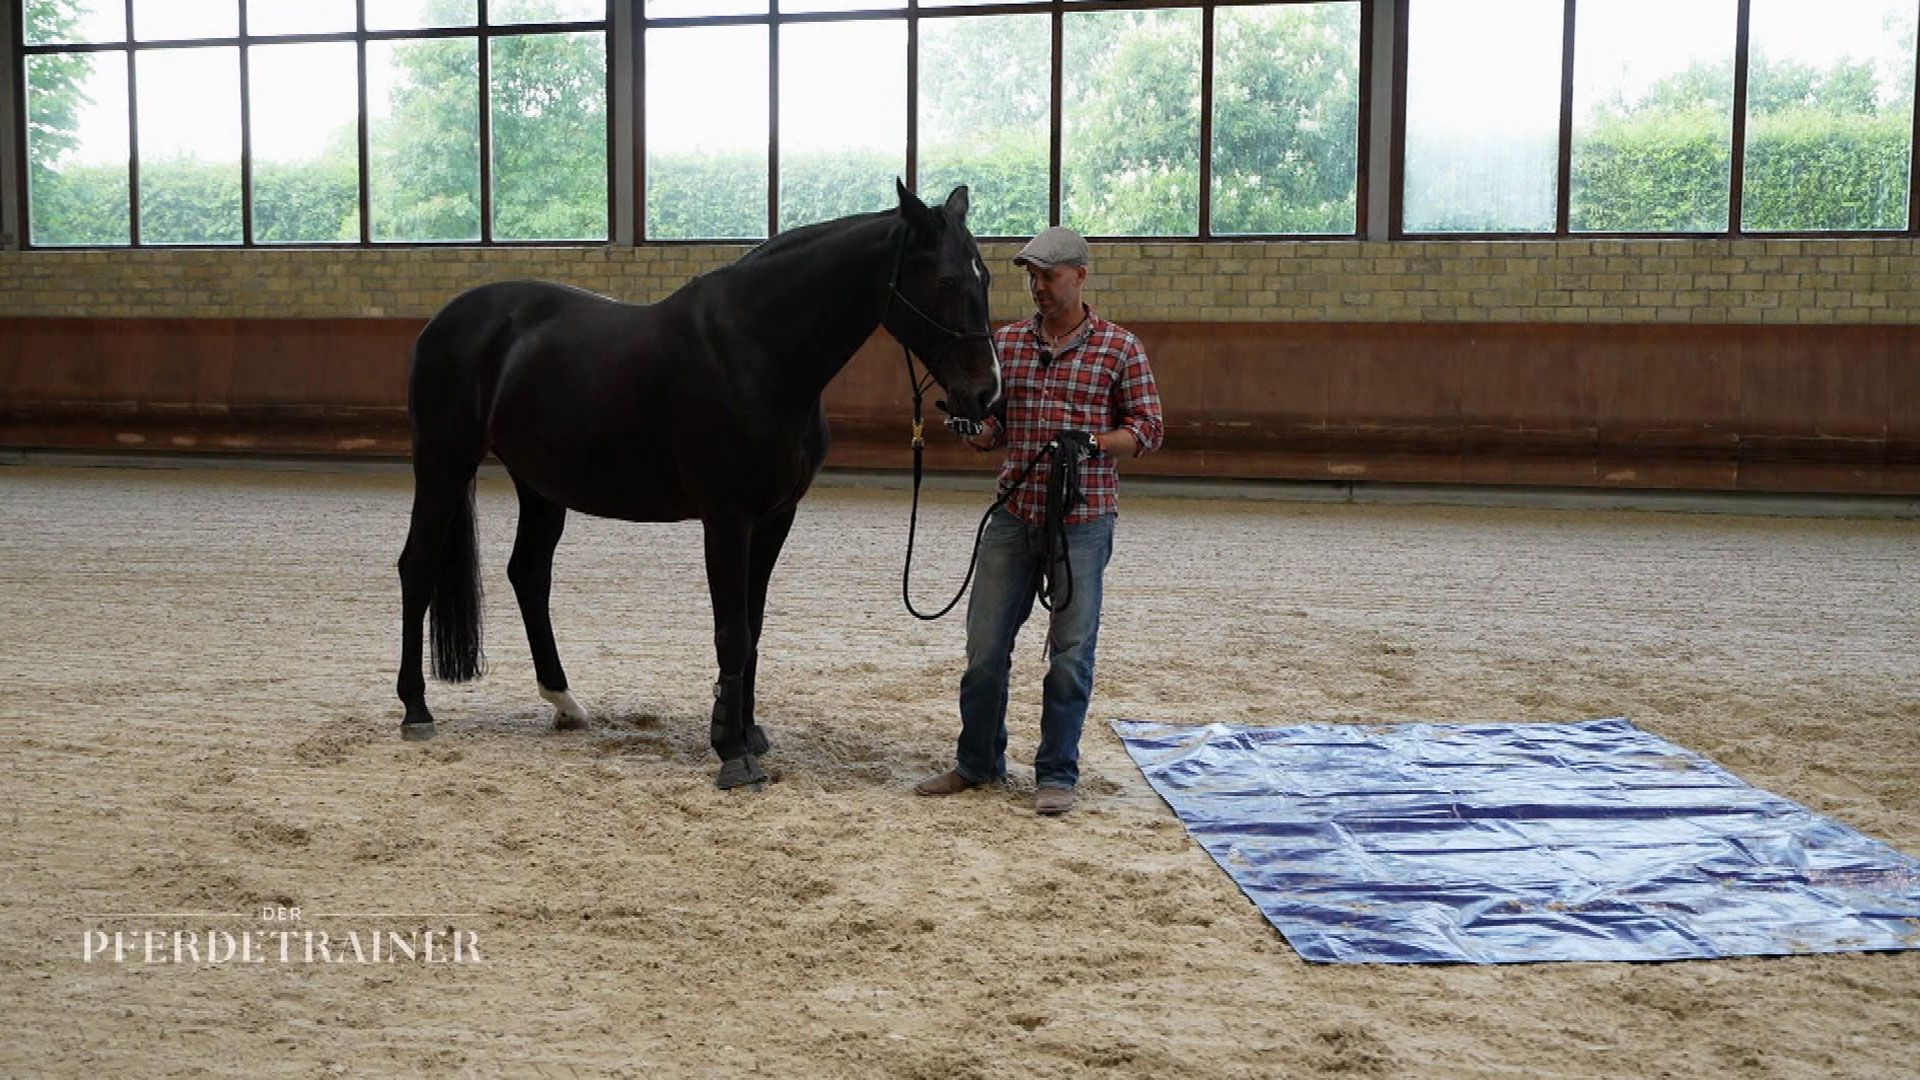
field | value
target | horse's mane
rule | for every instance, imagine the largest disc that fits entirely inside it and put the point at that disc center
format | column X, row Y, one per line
column 807, row 234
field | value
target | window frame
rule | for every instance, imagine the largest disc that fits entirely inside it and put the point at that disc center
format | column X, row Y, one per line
column 481, row 31
column 914, row 12
column 627, row 149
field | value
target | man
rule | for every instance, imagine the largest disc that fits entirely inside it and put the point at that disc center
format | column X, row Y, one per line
column 1064, row 369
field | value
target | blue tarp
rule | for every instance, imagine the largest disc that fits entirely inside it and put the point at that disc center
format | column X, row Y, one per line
column 1513, row 843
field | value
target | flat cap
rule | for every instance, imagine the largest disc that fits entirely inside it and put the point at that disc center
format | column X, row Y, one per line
column 1058, row 246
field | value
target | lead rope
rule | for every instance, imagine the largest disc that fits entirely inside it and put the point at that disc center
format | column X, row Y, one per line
column 1063, row 494
column 913, row 518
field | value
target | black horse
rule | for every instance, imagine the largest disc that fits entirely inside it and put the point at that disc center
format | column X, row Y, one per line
column 705, row 405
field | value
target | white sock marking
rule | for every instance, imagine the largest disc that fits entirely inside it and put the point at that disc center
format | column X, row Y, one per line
column 563, row 704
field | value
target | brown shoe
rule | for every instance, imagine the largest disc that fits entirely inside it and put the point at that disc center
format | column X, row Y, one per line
column 1052, row 801
column 947, row 783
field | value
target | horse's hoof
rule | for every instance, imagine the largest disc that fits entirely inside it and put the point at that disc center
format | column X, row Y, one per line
column 741, row 772
column 757, row 743
column 567, row 713
column 417, row 732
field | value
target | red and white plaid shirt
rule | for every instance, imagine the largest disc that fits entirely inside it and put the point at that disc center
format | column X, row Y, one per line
column 1097, row 381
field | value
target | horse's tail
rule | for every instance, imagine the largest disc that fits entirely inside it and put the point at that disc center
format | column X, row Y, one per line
column 457, row 596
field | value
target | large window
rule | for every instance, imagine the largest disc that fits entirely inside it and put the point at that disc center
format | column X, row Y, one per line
column 423, row 134
column 277, row 122
column 1652, row 147
column 76, row 116
column 547, row 94
column 342, row 121
column 1654, row 117
column 189, row 148
column 985, row 108
column 1483, row 106
column 706, row 164
column 303, row 193
column 843, row 126
column 1286, row 110
column 240, row 121
column 864, row 91
column 1137, row 93
column 1130, row 157
column 1829, row 115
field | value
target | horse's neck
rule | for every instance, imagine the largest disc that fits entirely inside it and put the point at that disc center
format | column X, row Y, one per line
column 814, row 300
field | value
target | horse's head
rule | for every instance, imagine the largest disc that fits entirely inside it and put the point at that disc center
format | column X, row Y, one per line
column 938, row 306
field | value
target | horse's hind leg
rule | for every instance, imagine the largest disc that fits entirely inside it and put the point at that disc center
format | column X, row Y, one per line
column 531, row 570
column 435, row 535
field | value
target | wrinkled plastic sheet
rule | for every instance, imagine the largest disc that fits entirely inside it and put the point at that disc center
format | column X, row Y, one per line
column 1515, row 843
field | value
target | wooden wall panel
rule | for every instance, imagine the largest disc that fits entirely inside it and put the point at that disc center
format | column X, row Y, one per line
column 1903, row 420
column 225, row 385
column 1787, row 408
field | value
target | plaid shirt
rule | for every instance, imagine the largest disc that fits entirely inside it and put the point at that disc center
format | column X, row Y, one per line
column 1097, row 382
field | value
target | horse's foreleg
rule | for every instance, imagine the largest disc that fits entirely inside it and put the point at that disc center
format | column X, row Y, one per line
column 769, row 536
column 531, row 570
column 728, row 550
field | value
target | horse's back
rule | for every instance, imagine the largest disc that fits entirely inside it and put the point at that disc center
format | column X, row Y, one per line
column 567, row 388
column 491, row 313
column 460, row 354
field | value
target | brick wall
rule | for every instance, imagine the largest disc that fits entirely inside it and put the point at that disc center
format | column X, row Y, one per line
column 1580, row 281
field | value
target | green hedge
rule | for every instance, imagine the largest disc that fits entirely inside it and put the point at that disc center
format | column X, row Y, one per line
column 1806, row 171
column 1656, row 174
column 1667, row 173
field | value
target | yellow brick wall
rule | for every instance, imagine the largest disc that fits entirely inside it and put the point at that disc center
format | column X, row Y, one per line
column 1579, row 281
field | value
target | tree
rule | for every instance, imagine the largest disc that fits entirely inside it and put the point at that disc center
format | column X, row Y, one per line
column 1131, row 145
column 53, row 122
column 1286, row 119
column 984, row 114
column 549, row 129
column 68, row 203
column 695, row 196
column 425, row 158
column 548, row 124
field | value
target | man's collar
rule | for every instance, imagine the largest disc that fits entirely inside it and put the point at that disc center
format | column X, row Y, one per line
column 1080, row 332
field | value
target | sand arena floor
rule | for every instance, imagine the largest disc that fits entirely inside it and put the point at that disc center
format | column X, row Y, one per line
column 196, row 715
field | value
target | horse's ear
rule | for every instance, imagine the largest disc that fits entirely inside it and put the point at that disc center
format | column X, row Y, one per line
column 914, row 211
column 957, row 204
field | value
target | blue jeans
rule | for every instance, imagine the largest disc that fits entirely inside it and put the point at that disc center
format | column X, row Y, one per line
column 1003, row 592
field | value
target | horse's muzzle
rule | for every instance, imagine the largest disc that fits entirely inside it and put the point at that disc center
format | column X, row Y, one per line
column 967, row 403
column 981, row 403
column 967, row 408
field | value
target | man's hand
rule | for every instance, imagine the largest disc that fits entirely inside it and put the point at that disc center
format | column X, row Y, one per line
column 1082, row 444
column 971, row 432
